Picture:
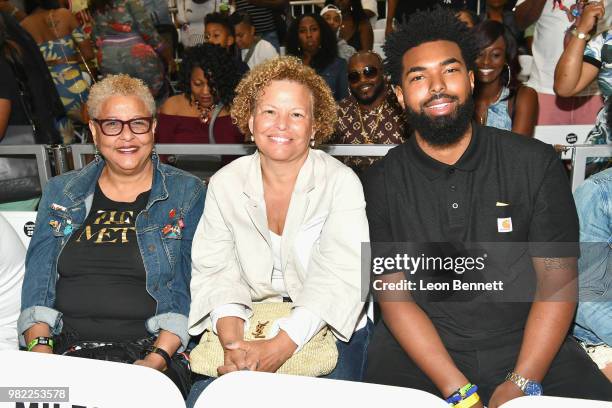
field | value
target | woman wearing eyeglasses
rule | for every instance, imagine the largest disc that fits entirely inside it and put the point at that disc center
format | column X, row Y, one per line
column 371, row 114
column 108, row 268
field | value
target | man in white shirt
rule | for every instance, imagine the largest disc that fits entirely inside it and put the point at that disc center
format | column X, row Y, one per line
column 253, row 50
column 552, row 19
column 12, row 267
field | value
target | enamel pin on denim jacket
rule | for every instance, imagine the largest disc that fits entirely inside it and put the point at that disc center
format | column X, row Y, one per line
column 164, row 229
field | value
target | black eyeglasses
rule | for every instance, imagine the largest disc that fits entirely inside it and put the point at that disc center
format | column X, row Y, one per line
column 113, row 127
column 368, row 72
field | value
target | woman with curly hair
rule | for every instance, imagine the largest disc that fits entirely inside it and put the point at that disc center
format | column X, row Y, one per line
column 284, row 224
column 305, row 40
column 208, row 77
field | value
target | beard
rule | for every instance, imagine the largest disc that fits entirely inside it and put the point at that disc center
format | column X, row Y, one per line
column 379, row 89
column 441, row 130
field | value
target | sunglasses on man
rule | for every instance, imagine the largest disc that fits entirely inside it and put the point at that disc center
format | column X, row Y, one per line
column 368, row 73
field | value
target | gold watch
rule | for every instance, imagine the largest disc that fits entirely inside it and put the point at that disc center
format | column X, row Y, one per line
column 579, row 35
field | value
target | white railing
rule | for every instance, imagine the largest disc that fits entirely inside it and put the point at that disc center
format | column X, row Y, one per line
column 578, row 154
column 305, row 6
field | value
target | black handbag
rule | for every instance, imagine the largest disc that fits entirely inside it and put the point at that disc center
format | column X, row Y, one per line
column 178, row 370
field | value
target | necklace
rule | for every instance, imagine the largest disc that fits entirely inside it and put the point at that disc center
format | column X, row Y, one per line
column 482, row 119
column 364, row 133
column 204, row 112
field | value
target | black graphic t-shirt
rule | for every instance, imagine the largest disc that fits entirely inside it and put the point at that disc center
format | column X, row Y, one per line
column 101, row 289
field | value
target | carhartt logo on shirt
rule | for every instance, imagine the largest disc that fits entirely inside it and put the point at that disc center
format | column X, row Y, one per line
column 504, row 224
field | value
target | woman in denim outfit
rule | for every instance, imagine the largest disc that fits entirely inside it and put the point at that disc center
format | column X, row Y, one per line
column 501, row 100
column 110, row 259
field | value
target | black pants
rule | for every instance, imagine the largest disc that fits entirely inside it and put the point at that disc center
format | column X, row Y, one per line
column 572, row 373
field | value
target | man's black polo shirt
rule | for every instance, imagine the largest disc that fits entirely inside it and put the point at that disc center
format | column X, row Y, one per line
column 414, row 198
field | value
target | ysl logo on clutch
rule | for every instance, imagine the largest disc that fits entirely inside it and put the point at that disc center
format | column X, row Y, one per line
column 258, row 333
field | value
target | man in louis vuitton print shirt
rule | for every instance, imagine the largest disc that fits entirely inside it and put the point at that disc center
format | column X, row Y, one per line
column 371, row 114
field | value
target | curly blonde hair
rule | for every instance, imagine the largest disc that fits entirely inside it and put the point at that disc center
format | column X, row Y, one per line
column 289, row 69
column 118, row 85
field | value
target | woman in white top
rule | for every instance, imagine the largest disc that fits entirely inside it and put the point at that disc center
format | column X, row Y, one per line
column 253, row 49
column 285, row 222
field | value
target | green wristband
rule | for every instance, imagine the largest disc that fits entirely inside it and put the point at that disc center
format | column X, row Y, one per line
column 41, row 341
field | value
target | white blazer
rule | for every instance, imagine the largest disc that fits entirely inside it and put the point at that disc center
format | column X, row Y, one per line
column 326, row 223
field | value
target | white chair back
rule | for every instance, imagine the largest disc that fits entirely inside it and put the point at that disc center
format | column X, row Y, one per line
column 22, row 222
column 91, row 383
column 382, row 23
column 557, row 402
column 307, row 392
column 566, row 135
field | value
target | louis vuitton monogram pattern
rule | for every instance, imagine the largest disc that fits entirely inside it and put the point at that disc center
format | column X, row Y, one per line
column 384, row 124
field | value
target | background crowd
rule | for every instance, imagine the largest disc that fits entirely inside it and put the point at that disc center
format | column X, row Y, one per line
column 71, row 72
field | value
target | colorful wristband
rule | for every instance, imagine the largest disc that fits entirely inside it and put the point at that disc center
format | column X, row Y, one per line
column 462, row 393
column 41, row 341
column 468, row 402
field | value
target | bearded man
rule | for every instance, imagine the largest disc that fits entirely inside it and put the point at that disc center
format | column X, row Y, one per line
column 457, row 183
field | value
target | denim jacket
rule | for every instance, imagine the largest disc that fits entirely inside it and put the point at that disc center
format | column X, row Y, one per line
column 594, row 205
column 167, row 257
column 336, row 77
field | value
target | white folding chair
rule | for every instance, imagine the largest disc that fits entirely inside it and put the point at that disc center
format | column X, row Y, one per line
column 280, row 391
column 90, row 383
column 557, row 402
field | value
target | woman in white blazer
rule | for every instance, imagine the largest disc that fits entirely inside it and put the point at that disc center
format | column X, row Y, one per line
column 285, row 222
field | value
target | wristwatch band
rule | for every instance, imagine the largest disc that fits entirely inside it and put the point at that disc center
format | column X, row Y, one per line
column 580, row 35
column 517, row 379
column 529, row 387
column 41, row 341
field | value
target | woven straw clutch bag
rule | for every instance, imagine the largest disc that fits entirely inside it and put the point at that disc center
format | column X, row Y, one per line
column 318, row 357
